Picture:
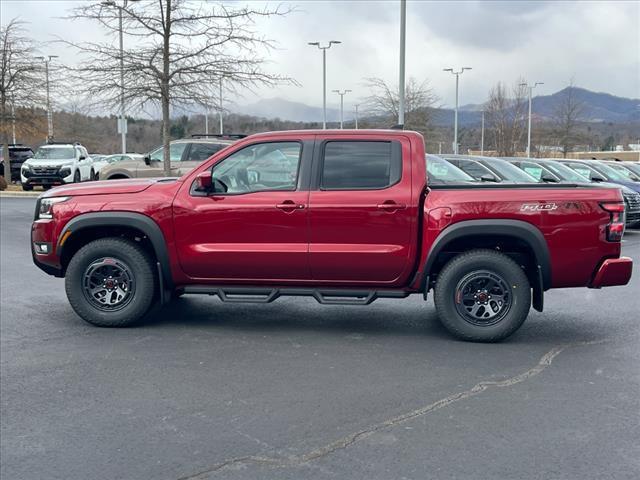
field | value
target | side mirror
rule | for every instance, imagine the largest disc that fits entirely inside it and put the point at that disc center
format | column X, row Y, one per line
column 82, row 157
column 147, row 160
column 488, row 178
column 547, row 178
column 204, row 181
column 598, row 178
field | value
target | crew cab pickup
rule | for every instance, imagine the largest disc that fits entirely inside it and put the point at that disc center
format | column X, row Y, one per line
column 344, row 216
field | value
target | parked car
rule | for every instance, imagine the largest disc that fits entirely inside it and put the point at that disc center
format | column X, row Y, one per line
column 108, row 160
column 626, row 169
column 489, row 169
column 352, row 221
column 439, row 171
column 56, row 164
column 18, row 153
column 600, row 172
column 185, row 155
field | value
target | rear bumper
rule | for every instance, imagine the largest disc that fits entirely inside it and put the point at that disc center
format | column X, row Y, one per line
column 613, row 271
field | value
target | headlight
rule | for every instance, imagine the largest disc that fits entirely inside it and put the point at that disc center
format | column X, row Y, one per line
column 46, row 206
column 65, row 171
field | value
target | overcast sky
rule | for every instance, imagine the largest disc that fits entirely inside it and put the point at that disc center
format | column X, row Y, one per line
column 596, row 43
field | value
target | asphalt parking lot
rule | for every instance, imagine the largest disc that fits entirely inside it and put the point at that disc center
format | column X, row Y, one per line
column 295, row 390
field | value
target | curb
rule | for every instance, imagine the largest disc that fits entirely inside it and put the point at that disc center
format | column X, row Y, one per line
column 10, row 194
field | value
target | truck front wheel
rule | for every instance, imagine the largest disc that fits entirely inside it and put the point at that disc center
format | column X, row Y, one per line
column 110, row 282
column 482, row 296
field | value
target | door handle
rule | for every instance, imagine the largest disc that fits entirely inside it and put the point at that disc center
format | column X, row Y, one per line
column 391, row 206
column 289, row 206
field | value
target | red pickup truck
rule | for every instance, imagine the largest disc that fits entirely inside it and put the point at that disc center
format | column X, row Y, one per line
column 344, row 216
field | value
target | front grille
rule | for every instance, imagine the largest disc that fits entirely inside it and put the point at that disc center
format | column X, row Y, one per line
column 45, row 171
column 633, row 201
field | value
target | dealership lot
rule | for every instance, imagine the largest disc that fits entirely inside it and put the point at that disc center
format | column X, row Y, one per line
column 298, row 390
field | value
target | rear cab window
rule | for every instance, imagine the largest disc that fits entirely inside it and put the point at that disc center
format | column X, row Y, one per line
column 360, row 165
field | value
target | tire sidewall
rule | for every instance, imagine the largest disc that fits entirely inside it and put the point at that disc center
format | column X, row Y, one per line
column 499, row 264
column 140, row 269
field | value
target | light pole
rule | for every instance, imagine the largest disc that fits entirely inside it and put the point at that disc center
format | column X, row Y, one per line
column 482, row 136
column 403, row 29
column 220, row 105
column 530, row 87
column 13, row 121
column 123, row 122
column 455, row 121
column 342, row 94
column 206, row 122
column 324, row 77
column 356, row 107
column 46, row 61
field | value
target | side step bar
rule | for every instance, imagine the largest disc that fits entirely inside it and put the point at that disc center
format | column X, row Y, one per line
column 267, row 295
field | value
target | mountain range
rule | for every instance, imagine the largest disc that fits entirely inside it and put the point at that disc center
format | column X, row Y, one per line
column 595, row 107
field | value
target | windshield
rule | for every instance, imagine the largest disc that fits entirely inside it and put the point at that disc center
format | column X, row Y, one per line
column 634, row 167
column 609, row 172
column 54, row 153
column 440, row 170
column 624, row 172
column 510, row 172
column 565, row 172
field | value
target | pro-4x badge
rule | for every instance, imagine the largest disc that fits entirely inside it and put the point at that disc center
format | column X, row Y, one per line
column 538, row 207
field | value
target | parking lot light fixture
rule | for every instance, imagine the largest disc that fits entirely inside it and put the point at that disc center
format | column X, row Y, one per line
column 47, row 59
column 342, row 94
column 324, row 76
column 455, row 120
column 123, row 126
column 530, row 88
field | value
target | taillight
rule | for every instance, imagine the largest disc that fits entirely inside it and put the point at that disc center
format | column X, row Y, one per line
column 615, row 229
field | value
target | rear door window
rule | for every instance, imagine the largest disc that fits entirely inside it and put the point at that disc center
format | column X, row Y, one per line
column 199, row 152
column 360, row 165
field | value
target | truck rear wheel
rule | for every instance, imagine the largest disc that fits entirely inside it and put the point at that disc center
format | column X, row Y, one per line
column 482, row 296
column 110, row 282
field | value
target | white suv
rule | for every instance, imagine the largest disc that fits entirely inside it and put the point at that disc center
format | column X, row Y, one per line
column 56, row 164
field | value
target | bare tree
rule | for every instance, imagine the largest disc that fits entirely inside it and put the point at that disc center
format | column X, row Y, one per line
column 175, row 53
column 420, row 100
column 505, row 114
column 20, row 80
column 566, row 117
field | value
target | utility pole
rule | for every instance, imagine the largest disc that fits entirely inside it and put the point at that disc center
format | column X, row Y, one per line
column 530, row 87
column 482, row 136
column 455, row 121
column 342, row 94
column 324, row 77
column 356, row 106
column 403, row 36
column 206, row 122
column 46, row 61
column 122, row 126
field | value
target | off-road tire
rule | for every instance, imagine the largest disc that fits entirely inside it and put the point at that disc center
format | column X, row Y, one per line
column 141, row 269
column 482, row 260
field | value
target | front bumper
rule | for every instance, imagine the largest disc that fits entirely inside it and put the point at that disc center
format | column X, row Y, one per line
column 42, row 232
column 46, row 176
column 613, row 271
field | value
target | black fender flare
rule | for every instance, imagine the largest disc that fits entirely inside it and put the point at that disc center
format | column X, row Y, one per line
column 124, row 219
column 519, row 229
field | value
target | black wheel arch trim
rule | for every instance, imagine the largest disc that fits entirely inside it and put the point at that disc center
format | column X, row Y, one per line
column 519, row 229
column 124, row 219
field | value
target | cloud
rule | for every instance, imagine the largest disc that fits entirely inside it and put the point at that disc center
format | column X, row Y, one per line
column 596, row 42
